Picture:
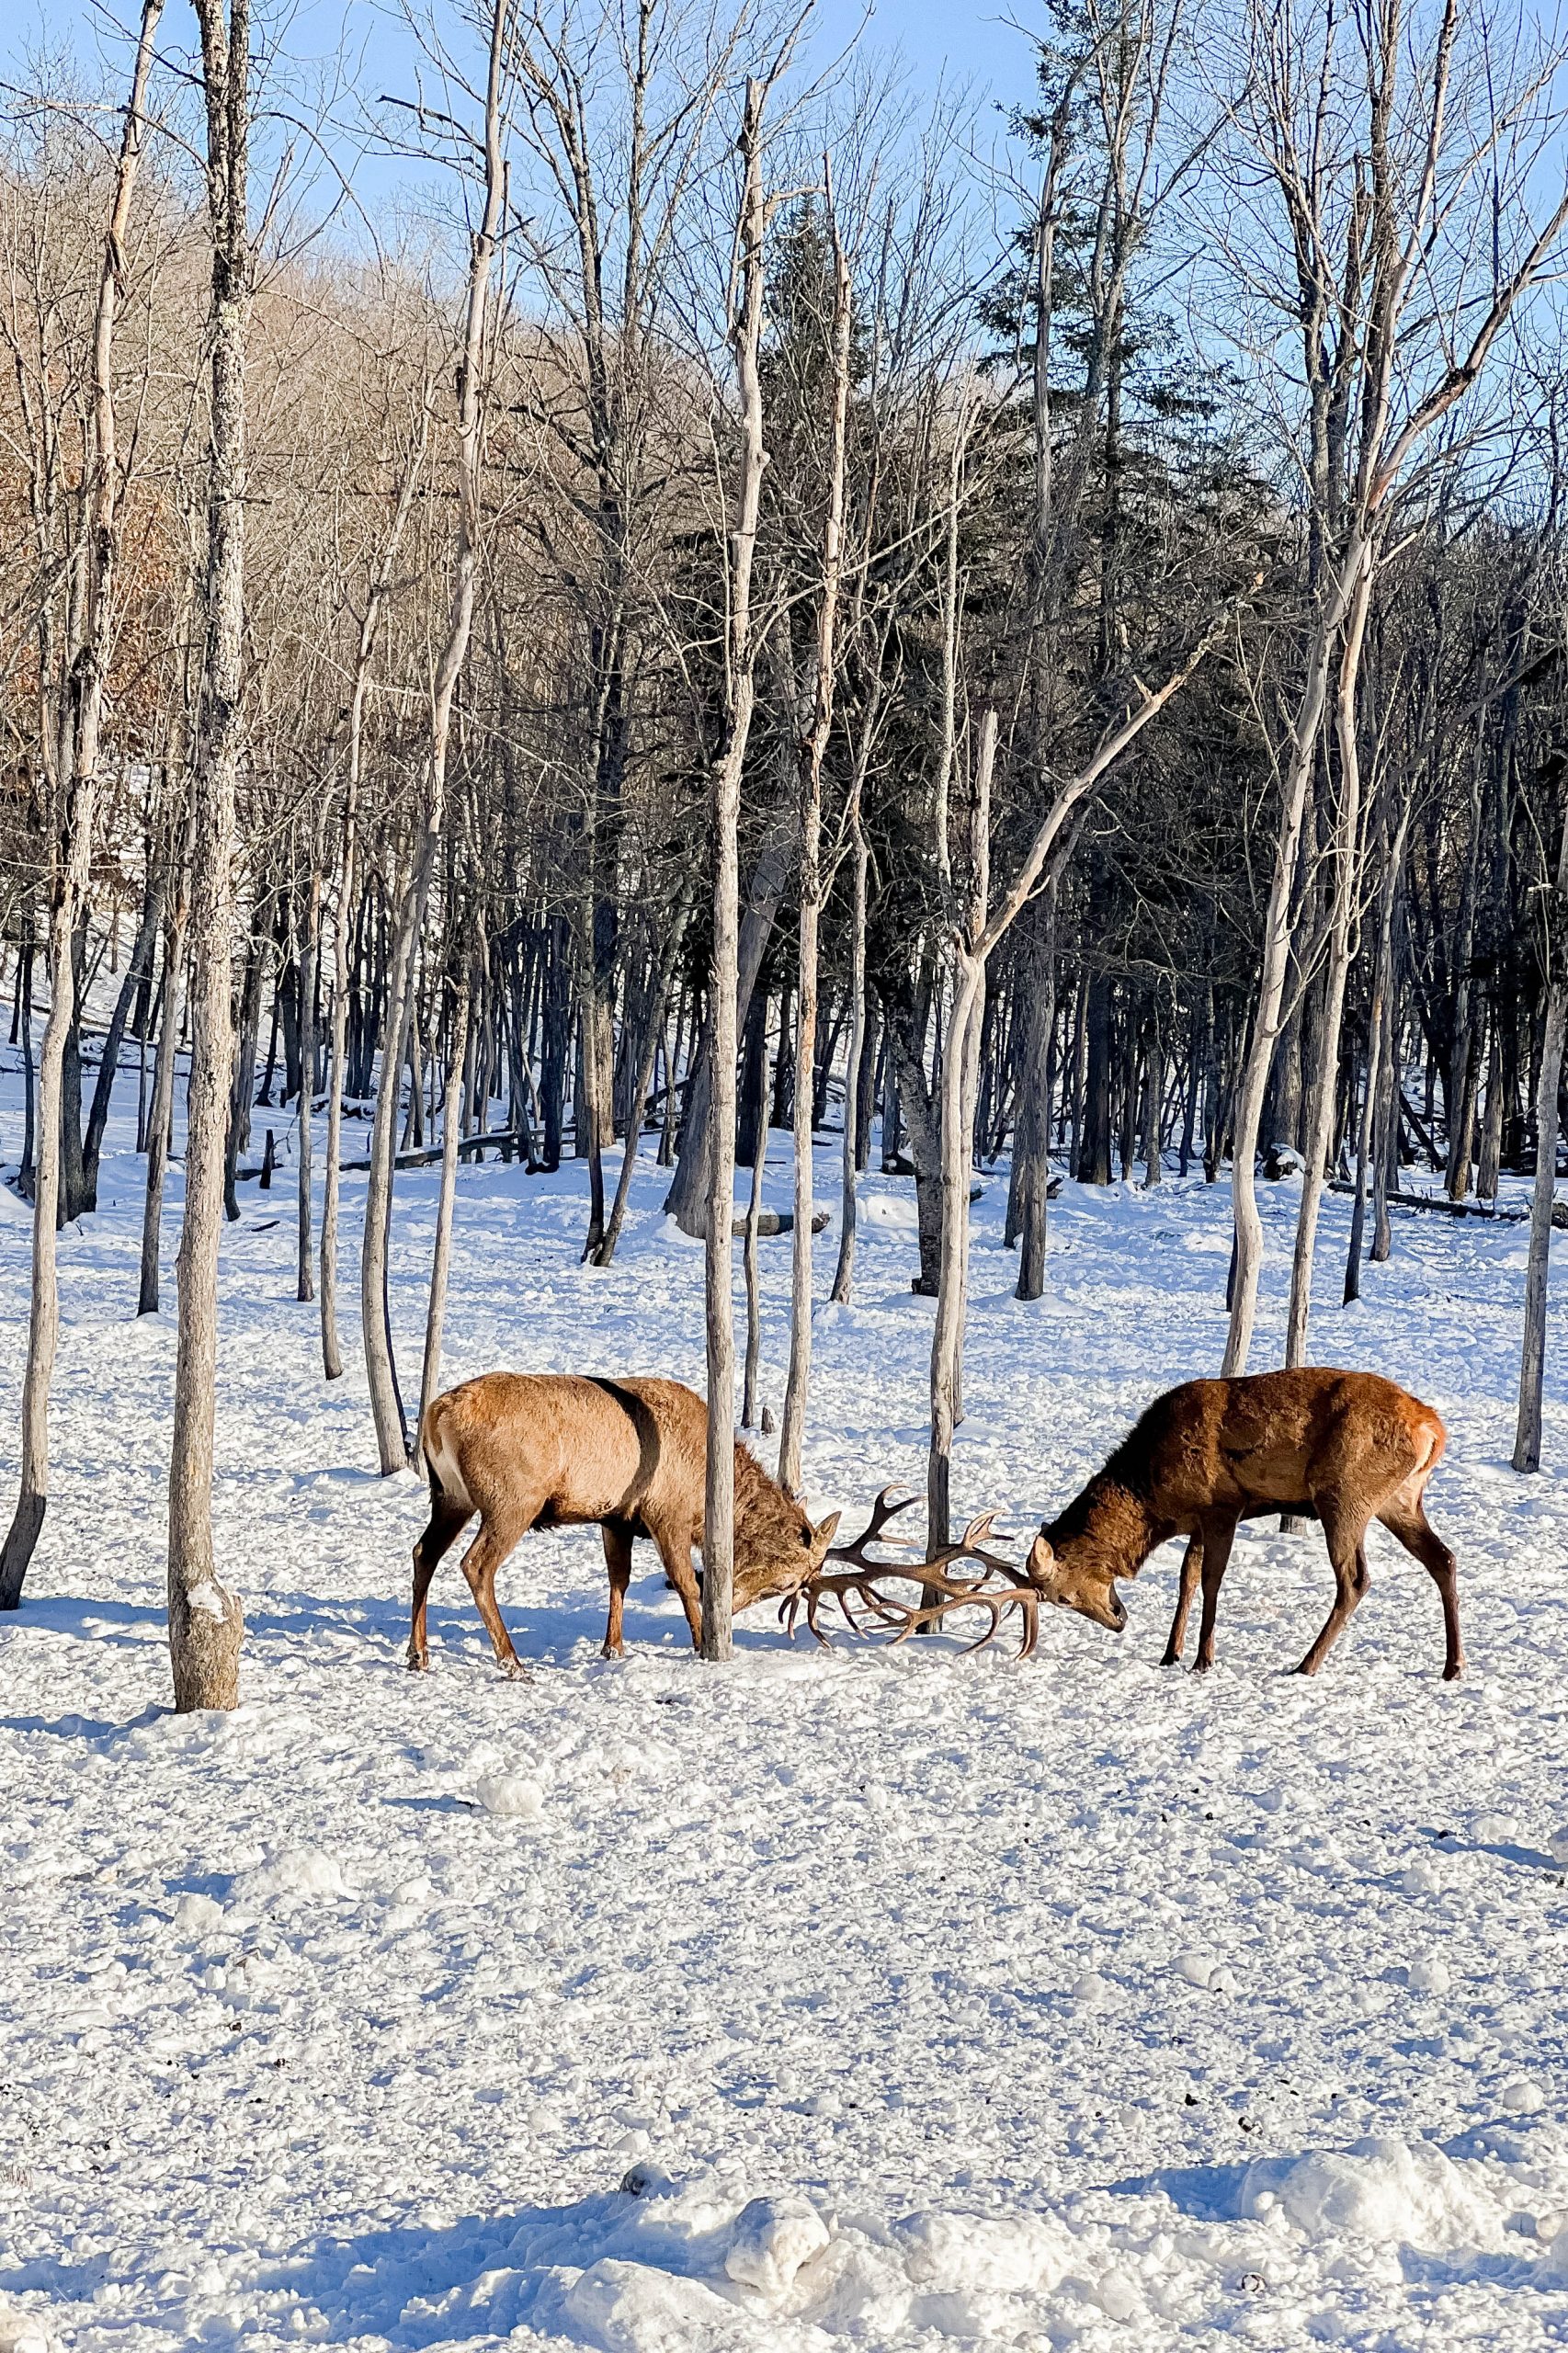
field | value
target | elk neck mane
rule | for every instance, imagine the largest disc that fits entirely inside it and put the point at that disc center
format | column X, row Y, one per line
column 1114, row 1510
column 762, row 1507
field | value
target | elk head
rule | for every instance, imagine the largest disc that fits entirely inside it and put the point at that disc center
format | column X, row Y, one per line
column 1081, row 1580
column 777, row 1547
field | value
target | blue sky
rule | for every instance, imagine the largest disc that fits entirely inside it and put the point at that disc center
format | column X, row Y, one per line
column 937, row 38
column 930, row 44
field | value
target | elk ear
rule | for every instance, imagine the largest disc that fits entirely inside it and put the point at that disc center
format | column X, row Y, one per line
column 1041, row 1561
column 828, row 1530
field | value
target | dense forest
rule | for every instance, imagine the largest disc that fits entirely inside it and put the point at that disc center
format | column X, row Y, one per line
column 1034, row 638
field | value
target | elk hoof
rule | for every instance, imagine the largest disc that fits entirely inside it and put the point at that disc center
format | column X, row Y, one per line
column 514, row 1671
column 1454, row 1669
column 418, row 1664
column 1171, row 1658
column 611, row 1650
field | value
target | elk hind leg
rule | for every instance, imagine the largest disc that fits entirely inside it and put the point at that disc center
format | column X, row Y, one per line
column 1217, row 1536
column 482, row 1560
column 1346, row 1550
column 617, row 1534
column 1191, row 1562
column 448, row 1520
column 1410, row 1524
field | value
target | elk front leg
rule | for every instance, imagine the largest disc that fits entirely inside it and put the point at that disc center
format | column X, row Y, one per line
column 675, row 1551
column 1191, row 1561
column 618, row 1561
column 448, row 1520
column 1346, row 1536
column 1216, row 1536
column 482, row 1560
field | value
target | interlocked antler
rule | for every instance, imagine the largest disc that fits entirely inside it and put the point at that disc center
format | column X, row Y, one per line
column 999, row 1588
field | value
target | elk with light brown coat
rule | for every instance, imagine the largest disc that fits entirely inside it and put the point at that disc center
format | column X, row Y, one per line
column 561, row 1449
column 1342, row 1447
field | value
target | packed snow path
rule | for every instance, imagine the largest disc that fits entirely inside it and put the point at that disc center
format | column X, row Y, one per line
column 923, row 2001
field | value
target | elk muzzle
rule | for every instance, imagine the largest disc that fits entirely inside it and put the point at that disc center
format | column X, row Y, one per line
column 1092, row 1593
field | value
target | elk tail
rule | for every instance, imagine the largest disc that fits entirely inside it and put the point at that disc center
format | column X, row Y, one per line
column 441, row 1464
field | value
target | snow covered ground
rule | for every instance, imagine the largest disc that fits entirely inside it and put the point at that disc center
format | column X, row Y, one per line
column 823, row 2001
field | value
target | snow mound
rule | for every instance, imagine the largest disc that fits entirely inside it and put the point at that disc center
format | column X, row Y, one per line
column 1205, row 1970
column 23, row 2332
column 198, row 1916
column 631, row 2308
column 1014, row 2255
column 511, row 1796
column 1386, row 2192
column 292, row 1871
column 1431, row 1976
column 774, row 2237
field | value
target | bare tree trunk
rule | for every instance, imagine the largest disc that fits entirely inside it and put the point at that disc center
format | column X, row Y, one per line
column 750, row 1401
column 1153, row 1101
column 957, row 1083
column 24, row 1014
column 392, row 1435
column 441, row 1258
column 205, row 1619
column 74, row 817
column 1031, row 1137
column 1378, row 1047
column 136, row 972
column 719, row 1514
column 844, row 1271
column 1532, row 1359
column 75, row 851
column 1278, row 934
column 1320, row 1138
column 163, row 1094
column 813, row 749
column 309, row 948
column 686, row 1198
column 331, row 1351
column 657, row 1010
column 343, row 928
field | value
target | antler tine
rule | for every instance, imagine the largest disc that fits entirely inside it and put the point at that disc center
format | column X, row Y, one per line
column 998, row 1588
column 885, row 1508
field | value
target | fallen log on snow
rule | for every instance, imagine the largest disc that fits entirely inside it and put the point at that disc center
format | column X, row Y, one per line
column 780, row 1222
column 1441, row 1202
column 467, row 1147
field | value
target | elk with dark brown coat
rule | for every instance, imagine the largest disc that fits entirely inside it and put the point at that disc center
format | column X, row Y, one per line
column 1342, row 1447
column 561, row 1449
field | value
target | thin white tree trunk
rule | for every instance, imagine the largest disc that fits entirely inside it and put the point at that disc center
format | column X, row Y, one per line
column 43, row 1324
column 957, row 1095
column 379, row 584
column 1347, row 879
column 309, row 947
column 77, row 814
column 205, row 1619
column 171, row 1016
column 392, row 1437
column 441, row 1258
column 1532, row 1358
column 331, row 1351
column 1278, row 929
column 814, row 750
column 843, row 1272
column 750, row 1398
column 719, row 1508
